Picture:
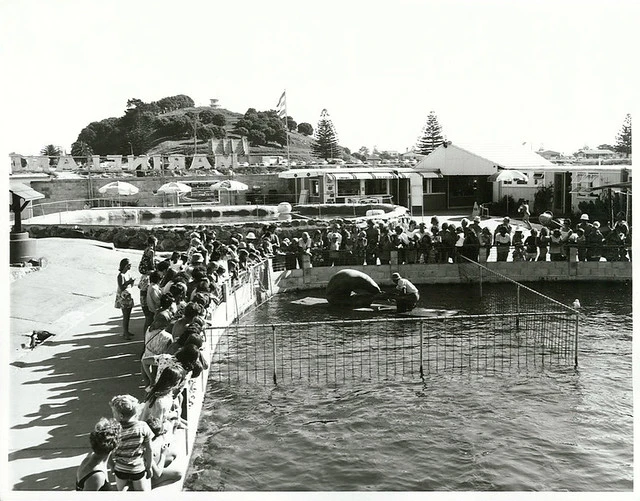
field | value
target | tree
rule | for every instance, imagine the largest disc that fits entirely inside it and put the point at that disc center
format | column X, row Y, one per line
column 51, row 151
column 364, row 151
column 305, row 128
column 210, row 117
column 623, row 138
column 431, row 136
column 172, row 103
column 81, row 149
column 325, row 144
column 291, row 123
column 219, row 119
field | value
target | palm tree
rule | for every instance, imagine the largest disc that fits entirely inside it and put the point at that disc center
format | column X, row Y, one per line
column 51, row 151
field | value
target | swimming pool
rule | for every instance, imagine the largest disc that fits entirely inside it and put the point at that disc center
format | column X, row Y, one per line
column 558, row 430
column 120, row 216
column 210, row 214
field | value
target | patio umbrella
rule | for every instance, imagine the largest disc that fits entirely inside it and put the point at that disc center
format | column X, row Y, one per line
column 229, row 185
column 118, row 188
column 174, row 187
column 508, row 175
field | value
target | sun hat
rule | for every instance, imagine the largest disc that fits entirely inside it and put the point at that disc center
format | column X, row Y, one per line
column 596, row 224
column 584, row 217
column 250, row 236
column 395, row 276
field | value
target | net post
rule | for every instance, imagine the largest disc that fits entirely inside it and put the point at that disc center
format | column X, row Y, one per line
column 518, row 306
column 421, row 341
column 273, row 346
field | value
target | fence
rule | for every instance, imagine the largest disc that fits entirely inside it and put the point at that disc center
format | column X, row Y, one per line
column 393, row 348
column 525, row 330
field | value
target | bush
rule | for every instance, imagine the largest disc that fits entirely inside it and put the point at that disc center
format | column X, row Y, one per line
column 305, row 128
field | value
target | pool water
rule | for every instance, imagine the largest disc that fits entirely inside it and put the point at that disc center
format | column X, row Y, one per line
column 562, row 429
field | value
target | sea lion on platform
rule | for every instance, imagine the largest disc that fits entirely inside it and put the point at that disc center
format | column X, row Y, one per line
column 351, row 289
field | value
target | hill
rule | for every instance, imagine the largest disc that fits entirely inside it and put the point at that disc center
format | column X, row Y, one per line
column 299, row 144
column 175, row 125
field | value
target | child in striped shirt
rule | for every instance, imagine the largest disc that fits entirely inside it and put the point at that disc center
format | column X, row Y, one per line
column 133, row 458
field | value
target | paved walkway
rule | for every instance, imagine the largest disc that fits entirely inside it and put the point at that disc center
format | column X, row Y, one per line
column 61, row 388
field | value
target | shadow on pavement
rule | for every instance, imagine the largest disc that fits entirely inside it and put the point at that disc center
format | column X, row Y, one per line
column 88, row 368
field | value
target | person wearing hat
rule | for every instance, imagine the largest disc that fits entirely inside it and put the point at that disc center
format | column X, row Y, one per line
column 584, row 224
column 475, row 226
column 406, row 294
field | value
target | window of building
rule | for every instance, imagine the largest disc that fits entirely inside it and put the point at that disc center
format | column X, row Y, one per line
column 434, row 185
column 348, row 187
column 375, row 187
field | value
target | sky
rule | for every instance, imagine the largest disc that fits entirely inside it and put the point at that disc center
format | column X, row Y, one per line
column 554, row 74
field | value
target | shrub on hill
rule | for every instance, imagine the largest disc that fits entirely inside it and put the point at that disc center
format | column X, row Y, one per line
column 261, row 127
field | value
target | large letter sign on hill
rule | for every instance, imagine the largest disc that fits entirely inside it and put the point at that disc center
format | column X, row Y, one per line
column 111, row 163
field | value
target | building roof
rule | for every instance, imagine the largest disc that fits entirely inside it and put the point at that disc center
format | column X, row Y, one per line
column 505, row 155
column 349, row 172
column 597, row 152
column 25, row 192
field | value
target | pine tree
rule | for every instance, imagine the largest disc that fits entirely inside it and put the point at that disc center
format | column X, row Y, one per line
column 325, row 144
column 624, row 137
column 431, row 136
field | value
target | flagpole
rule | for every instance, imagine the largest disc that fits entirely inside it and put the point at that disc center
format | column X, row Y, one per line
column 286, row 126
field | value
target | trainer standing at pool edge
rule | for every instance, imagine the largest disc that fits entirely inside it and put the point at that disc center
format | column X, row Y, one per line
column 407, row 294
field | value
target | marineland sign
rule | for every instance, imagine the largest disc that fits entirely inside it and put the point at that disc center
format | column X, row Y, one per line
column 109, row 163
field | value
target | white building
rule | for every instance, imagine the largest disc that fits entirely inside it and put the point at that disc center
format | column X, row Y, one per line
column 465, row 169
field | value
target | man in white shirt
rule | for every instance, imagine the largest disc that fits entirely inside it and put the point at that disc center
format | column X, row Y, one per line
column 407, row 294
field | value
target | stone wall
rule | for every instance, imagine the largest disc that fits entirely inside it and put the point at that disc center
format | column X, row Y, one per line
column 314, row 278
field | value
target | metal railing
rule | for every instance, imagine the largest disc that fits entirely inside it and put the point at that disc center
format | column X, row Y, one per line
column 394, row 348
column 288, row 259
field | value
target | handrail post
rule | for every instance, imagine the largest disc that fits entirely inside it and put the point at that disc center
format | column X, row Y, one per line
column 576, row 341
column 275, row 365
column 518, row 307
column 421, row 342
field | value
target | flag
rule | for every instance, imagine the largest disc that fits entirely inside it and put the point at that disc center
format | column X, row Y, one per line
column 281, row 108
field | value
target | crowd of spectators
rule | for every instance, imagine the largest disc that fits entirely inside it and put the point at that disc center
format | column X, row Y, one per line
column 371, row 243
column 178, row 294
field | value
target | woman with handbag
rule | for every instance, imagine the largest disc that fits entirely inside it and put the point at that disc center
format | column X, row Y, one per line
column 124, row 299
